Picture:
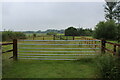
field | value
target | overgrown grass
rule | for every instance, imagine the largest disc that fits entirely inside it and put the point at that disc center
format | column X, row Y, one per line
column 109, row 66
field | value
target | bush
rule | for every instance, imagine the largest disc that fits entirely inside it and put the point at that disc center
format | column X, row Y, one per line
column 71, row 31
column 51, row 33
column 118, row 33
column 109, row 66
column 106, row 30
column 10, row 35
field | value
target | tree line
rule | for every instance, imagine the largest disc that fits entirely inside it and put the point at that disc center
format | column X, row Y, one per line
column 72, row 31
column 10, row 35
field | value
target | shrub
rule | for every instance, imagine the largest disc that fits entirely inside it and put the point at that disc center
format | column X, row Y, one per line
column 108, row 66
column 71, row 31
column 106, row 30
column 10, row 35
column 51, row 33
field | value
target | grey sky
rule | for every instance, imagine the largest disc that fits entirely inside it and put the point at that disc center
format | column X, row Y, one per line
column 23, row 16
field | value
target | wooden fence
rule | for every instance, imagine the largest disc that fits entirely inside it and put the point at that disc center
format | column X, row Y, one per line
column 103, row 45
column 7, row 44
column 58, row 37
column 14, row 49
column 92, row 43
column 114, row 50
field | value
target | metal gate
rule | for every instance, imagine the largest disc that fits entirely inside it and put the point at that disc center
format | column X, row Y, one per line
column 57, row 49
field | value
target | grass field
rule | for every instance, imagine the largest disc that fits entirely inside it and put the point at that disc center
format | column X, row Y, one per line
column 50, row 69
column 83, row 68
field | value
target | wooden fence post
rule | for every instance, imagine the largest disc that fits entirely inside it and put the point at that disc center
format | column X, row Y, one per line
column 53, row 37
column 103, row 46
column 15, row 49
column 114, row 49
column 95, row 44
column 73, row 37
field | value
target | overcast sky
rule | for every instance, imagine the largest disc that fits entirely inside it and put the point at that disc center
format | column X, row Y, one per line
column 22, row 16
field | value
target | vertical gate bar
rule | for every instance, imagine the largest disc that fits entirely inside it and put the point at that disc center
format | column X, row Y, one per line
column 53, row 37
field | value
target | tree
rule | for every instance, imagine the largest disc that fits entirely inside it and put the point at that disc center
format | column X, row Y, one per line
column 117, row 13
column 105, row 30
column 10, row 35
column 71, row 31
column 118, row 33
column 88, row 32
column 81, row 32
column 110, row 10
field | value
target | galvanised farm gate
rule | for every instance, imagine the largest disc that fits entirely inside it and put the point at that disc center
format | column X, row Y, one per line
column 56, row 49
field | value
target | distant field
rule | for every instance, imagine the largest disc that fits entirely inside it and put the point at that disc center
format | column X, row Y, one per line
column 38, row 34
column 60, row 34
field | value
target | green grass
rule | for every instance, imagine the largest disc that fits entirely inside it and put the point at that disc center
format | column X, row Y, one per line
column 37, row 34
column 60, row 34
column 50, row 69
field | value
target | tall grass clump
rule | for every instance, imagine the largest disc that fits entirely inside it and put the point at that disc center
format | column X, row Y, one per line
column 10, row 35
column 109, row 66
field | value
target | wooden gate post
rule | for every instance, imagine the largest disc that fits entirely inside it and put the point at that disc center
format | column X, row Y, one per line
column 15, row 49
column 103, row 45
column 53, row 37
column 43, row 37
column 73, row 37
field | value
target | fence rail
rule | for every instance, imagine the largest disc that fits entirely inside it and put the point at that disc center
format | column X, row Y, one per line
column 8, row 51
column 114, row 50
column 58, row 51
column 60, row 40
column 3, row 44
column 57, row 44
column 6, row 43
column 57, row 54
column 55, row 48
